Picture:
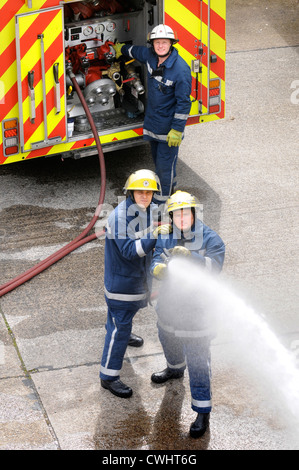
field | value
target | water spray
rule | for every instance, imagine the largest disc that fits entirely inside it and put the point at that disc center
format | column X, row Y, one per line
column 253, row 346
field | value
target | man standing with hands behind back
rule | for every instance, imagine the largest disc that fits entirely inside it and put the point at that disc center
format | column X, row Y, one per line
column 168, row 104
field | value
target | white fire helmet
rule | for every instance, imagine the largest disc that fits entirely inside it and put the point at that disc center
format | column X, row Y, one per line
column 162, row 31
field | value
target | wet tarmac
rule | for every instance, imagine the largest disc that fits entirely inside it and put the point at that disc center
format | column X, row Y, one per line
column 244, row 170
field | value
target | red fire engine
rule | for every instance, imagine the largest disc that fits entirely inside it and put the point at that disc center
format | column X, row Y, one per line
column 41, row 114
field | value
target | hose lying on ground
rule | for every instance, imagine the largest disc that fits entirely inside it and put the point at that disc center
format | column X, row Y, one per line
column 80, row 239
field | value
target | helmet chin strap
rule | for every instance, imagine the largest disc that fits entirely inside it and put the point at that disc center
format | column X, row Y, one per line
column 164, row 55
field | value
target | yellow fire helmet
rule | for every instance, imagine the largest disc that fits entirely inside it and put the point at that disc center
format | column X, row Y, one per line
column 144, row 180
column 181, row 200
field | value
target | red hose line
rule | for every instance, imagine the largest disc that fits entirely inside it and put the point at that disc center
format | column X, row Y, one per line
column 82, row 238
column 43, row 266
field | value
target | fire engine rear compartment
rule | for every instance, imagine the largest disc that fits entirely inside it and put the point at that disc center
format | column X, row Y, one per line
column 115, row 91
column 44, row 46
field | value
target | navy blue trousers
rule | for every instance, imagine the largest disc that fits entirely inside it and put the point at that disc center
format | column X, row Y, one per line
column 118, row 330
column 193, row 353
column 165, row 160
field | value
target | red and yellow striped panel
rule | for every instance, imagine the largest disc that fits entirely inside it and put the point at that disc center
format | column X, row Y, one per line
column 9, row 106
column 49, row 23
column 190, row 20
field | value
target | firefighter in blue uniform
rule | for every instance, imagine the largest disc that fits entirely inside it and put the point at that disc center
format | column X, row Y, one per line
column 130, row 239
column 168, row 103
column 185, row 331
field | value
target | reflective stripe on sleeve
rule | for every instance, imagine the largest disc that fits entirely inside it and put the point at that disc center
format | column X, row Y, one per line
column 162, row 137
column 209, row 264
column 139, row 250
column 183, row 117
column 130, row 52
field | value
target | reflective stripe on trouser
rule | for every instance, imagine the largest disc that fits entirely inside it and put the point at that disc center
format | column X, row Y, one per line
column 165, row 160
column 118, row 330
column 195, row 352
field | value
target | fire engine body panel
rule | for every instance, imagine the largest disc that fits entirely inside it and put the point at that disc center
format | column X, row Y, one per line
column 42, row 40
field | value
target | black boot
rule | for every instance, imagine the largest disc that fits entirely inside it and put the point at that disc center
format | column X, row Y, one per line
column 166, row 374
column 200, row 425
column 135, row 341
column 117, row 387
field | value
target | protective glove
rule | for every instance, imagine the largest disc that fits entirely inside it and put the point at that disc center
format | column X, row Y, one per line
column 180, row 251
column 174, row 138
column 159, row 271
column 163, row 229
column 117, row 47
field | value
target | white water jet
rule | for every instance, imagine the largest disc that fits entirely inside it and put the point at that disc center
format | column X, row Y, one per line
column 254, row 348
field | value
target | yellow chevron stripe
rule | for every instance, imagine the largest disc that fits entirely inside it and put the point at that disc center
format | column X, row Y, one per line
column 9, row 77
column 8, row 32
column 188, row 57
column 218, row 6
column 209, row 117
column 53, row 119
column 28, row 62
column 217, row 45
column 7, row 35
column 176, row 10
column 195, row 27
column 34, row 53
column 13, row 113
column 25, row 22
column 2, row 92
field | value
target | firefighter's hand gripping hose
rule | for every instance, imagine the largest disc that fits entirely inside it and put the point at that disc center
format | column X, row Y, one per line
column 83, row 237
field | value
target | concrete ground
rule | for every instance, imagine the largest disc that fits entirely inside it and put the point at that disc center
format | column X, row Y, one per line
column 244, row 169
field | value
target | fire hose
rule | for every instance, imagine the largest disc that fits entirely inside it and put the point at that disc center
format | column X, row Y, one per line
column 82, row 238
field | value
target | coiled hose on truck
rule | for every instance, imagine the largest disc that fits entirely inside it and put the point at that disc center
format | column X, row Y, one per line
column 83, row 237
